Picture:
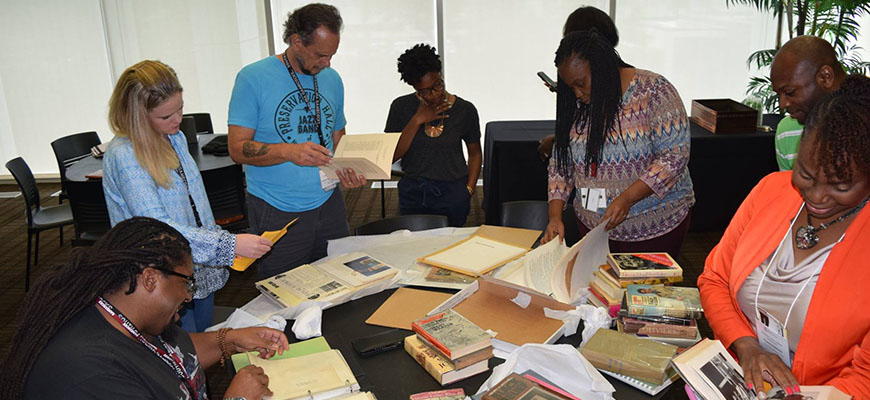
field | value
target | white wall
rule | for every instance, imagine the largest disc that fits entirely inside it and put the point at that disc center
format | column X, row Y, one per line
column 61, row 58
column 54, row 77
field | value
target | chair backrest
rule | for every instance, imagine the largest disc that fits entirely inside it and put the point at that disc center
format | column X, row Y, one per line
column 27, row 183
column 528, row 214
column 72, row 148
column 88, row 204
column 409, row 222
column 225, row 188
column 188, row 127
column 203, row 122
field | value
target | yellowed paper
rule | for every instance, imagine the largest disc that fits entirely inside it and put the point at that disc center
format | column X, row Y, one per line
column 475, row 255
column 369, row 155
column 242, row 263
column 325, row 373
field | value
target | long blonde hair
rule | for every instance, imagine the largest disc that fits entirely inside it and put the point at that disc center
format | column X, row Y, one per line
column 141, row 88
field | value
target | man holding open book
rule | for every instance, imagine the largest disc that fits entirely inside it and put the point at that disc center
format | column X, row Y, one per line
column 286, row 116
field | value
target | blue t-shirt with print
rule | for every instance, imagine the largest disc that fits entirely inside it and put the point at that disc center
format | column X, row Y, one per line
column 266, row 99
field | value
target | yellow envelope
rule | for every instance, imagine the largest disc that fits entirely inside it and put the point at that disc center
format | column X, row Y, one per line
column 242, row 263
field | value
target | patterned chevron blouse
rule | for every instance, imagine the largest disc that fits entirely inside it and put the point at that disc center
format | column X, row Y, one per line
column 653, row 146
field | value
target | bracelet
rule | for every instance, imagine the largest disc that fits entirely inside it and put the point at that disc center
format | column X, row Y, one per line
column 470, row 190
column 222, row 344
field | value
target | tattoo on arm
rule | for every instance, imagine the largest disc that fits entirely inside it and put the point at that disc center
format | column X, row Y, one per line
column 249, row 149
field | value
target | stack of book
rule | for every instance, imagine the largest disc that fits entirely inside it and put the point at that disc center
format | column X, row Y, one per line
column 608, row 284
column 449, row 346
column 666, row 314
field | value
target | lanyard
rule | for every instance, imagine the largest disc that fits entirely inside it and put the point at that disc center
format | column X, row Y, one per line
column 305, row 97
column 180, row 172
column 773, row 260
column 170, row 357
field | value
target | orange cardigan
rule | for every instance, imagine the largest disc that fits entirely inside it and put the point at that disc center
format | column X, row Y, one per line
column 834, row 348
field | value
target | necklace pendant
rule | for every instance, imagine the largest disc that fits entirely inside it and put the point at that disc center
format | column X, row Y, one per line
column 434, row 131
column 806, row 238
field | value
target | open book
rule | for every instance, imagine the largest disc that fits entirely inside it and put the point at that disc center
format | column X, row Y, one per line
column 323, row 375
column 713, row 374
column 326, row 281
column 369, row 155
column 558, row 271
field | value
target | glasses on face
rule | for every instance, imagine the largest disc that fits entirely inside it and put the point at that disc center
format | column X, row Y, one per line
column 427, row 92
column 191, row 281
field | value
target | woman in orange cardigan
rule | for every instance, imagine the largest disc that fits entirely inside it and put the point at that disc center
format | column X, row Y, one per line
column 784, row 288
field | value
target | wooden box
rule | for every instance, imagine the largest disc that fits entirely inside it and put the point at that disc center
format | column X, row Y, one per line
column 724, row 116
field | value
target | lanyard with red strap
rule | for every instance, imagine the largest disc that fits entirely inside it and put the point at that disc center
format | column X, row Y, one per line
column 169, row 356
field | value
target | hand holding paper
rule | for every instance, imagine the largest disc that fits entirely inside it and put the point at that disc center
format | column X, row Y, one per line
column 242, row 263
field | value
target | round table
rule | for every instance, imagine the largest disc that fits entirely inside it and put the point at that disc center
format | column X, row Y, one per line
column 205, row 162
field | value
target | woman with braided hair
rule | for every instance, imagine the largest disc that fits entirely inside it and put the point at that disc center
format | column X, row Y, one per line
column 149, row 172
column 782, row 289
column 622, row 141
column 102, row 326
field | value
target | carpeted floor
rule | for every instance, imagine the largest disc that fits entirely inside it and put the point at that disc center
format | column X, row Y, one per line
column 363, row 205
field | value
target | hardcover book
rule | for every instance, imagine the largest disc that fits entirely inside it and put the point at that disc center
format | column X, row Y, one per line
column 466, row 360
column 640, row 265
column 517, row 387
column 659, row 300
column 610, row 274
column 641, row 327
column 452, row 334
column 628, row 355
column 447, row 394
column 326, row 281
column 439, row 367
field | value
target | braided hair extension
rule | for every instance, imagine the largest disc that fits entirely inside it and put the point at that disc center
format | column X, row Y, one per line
column 110, row 265
column 600, row 117
column 418, row 61
column 840, row 122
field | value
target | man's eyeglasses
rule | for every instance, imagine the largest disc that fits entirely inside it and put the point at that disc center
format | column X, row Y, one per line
column 191, row 281
column 438, row 85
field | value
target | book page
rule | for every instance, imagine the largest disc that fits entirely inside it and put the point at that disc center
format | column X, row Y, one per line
column 540, row 264
column 316, row 373
column 579, row 263
column 475, row 255
column 370, row 155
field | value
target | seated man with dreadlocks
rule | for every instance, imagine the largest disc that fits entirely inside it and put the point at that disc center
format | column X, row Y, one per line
column 437, row 178
column 102, row 326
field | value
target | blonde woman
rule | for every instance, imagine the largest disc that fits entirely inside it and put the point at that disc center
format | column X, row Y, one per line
column 149, row 172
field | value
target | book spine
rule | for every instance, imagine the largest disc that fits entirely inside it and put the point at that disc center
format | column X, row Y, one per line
column 648, row 273
column 680, row 331
column 650, row 281
column 659, row 311
column 429, row 361
column 612, row 309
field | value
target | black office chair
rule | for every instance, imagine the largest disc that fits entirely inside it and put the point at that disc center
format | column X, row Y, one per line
column 90, row 215
column 68, row 150
column 38, row 218
column 225, row 188
column 527, row 214
column 203, row 122
column 409, row 222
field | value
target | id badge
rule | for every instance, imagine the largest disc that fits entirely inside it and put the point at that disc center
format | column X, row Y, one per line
column 327, row 183
column 593, row 199
column 772, row 335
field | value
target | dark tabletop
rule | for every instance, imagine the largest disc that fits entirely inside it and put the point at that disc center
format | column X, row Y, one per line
column 205, row 162
column 395, row 375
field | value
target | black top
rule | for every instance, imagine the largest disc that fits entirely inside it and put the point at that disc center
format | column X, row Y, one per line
column 438, row 158
column 90, row 359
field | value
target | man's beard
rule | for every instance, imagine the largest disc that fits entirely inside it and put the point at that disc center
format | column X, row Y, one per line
column 302, row 68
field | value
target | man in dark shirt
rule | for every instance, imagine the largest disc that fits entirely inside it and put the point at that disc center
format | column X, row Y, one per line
column 102, row 326
column 434, row 123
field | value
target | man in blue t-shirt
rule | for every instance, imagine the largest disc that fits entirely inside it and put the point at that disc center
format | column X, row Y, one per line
column 286, row 116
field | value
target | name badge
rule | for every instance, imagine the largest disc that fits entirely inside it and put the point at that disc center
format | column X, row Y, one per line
column 593, row 199
column 772, row 335
column 327, row 183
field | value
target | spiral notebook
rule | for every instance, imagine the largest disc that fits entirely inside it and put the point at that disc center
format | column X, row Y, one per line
column 645, row 387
